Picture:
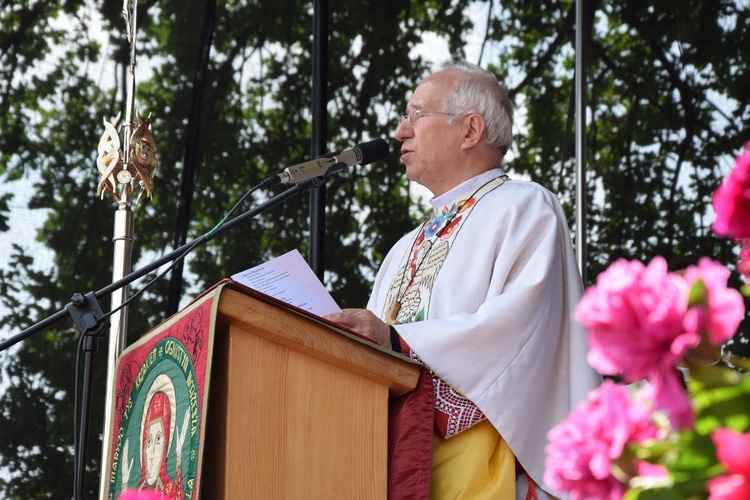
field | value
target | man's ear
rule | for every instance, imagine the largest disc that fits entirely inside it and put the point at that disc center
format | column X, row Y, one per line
column 473, row 131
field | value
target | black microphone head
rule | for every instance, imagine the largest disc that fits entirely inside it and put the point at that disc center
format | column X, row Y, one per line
column 374, row 150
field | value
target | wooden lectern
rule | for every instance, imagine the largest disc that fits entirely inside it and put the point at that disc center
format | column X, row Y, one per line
column 297, row 408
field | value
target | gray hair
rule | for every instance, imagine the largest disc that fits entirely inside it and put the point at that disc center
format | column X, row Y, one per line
column 479, row 92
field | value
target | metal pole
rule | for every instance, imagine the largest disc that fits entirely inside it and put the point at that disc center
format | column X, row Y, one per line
column 121, row 267
column 580, row 105
column 319, row 133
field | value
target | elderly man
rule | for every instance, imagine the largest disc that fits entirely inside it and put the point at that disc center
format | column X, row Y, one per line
column 482, row 293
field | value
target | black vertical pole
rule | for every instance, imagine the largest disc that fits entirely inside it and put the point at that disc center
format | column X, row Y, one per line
column 580, row 86
column 319, row 133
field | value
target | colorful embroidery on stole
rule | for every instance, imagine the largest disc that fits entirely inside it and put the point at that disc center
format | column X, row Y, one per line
column 408, row 298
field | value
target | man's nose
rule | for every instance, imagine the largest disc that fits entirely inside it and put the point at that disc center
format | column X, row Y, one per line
column 403, row 130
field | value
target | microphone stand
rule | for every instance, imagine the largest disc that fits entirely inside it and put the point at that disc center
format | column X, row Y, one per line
column 88, row 316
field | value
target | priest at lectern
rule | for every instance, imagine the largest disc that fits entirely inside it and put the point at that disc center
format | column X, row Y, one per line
column 482, row 293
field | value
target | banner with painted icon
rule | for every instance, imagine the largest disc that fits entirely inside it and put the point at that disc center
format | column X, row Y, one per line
column 160, row 406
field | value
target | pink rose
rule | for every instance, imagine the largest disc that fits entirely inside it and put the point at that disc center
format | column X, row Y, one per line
column 636, row 321
column 583, row 447
column 634, row 316
column 731, row 201
column 732, row 451
column 720, row 311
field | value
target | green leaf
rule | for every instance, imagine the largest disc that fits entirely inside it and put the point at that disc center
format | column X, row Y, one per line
column 698, row 293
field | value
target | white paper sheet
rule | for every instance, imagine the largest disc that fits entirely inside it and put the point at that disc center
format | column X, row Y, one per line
column 289, row 279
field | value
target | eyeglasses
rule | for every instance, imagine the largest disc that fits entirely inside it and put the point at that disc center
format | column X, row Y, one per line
column 413, row 115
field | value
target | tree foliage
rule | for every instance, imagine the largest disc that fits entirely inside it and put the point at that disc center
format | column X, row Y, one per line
column 667, row 102
column 667, row 105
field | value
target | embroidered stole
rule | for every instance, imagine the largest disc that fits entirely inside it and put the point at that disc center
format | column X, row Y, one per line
column 408, row 298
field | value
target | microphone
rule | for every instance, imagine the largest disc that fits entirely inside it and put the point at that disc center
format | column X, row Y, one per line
column 361, row 154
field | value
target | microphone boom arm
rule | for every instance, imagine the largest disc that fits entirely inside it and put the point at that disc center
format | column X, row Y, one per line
column 171, row 256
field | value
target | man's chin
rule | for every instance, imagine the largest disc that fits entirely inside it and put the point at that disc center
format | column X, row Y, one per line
column 410, row 174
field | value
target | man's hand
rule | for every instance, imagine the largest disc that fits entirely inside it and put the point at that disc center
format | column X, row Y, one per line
column 365, row 323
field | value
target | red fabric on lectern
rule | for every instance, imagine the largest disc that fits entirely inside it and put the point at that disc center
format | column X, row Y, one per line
column 410, row 429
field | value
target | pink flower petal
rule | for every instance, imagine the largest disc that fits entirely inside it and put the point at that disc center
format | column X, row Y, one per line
column 743, row 267
column 733, row 450
column 731, row 201
column 141, row 495
column 724, row 307
column 733, row 487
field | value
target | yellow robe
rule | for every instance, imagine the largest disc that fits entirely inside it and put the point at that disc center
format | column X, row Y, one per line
column 475, row 464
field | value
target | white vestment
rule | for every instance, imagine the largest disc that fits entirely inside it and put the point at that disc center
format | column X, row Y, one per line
column 500, row 326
